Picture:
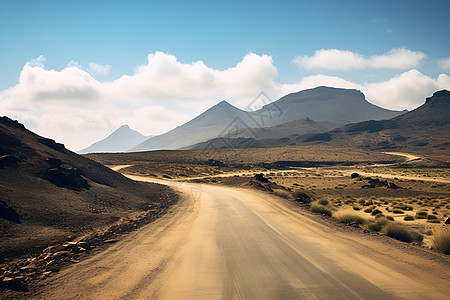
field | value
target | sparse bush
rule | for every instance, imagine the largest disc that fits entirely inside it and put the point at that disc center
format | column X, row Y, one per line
column 348, row 217
column 421, row 215
column 378, row 224
column 402, row 233
column 431, row 217
column 302, row 196
column 408, row 218
column 356, row 208
column 397, row 211
column 441, row 241
column 281, row 193
column 390, row 218
column 368, row 210
column 317, row 208
column 323, row 202
column 375, row 212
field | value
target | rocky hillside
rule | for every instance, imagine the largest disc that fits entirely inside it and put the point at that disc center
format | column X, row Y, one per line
column 50, row 194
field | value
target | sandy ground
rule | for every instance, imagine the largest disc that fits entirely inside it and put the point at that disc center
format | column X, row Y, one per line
column 223, row 242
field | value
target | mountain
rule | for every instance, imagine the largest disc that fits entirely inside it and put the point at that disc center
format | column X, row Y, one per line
column 306, row 126
column 253, row 137
column 121, row 140
column 425, row 130
column 326, row 104
column 221, row 119
column 321, row 104
column 48, row 193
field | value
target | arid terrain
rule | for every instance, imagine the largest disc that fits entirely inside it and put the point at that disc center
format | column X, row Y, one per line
column 304, row 221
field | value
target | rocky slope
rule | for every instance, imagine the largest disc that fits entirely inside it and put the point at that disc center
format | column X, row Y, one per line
column 50, row 194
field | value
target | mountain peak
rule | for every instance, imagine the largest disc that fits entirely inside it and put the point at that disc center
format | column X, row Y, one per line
column 439, row 97
column 122, row 139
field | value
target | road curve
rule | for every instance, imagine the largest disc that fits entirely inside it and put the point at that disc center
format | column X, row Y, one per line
column 228, row 243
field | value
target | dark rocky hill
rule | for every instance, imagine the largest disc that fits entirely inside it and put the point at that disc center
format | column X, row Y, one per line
column 48, row 193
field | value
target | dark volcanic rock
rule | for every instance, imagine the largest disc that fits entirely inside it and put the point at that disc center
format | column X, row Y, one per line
column 260, row 177
column 68, row 178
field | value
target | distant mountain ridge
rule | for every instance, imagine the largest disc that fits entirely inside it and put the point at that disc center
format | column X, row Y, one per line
column 423, row 130
column 321, row 104
column 121, row 140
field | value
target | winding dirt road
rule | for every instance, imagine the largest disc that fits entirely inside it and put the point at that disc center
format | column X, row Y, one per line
column 228, row 243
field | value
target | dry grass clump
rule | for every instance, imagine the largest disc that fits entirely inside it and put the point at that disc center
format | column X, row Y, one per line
column 281, row 193
column 302, row 196
column 348, row 217
column 321, row 209
column 421, row 215
column 402, row 233
column 376, row 212
column 378, row 224
column 409, row 218
column 441, row 241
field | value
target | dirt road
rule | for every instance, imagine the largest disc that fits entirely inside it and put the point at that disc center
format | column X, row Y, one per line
column 223, row 242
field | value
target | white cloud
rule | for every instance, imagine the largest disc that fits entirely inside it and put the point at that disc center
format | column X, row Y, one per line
column 164, row 77
column 74, row 108
column 444, row 63
column 406, row 91
column 156, row 119
column 99, row 69
column 38, row 84
column 37, row 62
column 334, row 59
column 69, row 105
column 74, row 63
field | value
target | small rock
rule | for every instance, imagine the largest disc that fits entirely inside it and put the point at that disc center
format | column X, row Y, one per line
column 110, row 241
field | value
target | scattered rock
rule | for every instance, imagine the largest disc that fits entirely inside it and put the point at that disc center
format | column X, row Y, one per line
column 260, row 177
column 69, row 178
column 354, row 175
column 110, row 241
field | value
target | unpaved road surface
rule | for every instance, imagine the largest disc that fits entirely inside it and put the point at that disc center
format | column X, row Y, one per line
column 228, row 243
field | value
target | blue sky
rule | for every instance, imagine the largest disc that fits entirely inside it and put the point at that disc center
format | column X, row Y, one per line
column 122, row 33
column 117, row 37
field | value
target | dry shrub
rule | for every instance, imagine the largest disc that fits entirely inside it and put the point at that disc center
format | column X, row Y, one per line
column 348, row 217
column 321, row 209
column 281, row 193
column 378, row 224
column 402, row 233
column 441, row 241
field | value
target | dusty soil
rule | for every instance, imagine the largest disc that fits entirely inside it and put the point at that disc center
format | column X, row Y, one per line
column 226, row 242
column 398, row 184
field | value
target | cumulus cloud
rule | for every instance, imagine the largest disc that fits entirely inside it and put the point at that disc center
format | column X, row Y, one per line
column 73, row 63
column 37, row 62
column 99, row 69
column 406, row 91
column 71, row 106
column 344, row 60
column 444, row 63
column 164, row 77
